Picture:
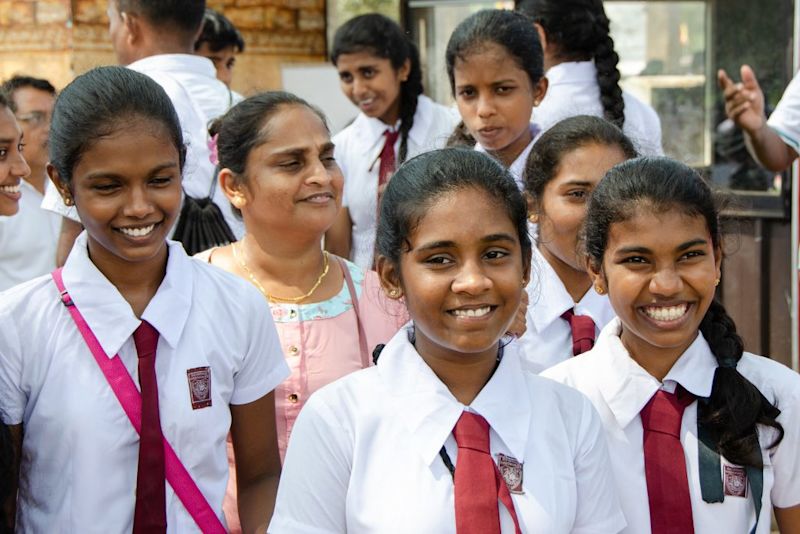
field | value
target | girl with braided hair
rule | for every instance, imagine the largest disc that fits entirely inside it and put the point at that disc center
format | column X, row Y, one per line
column 703, row 436
column 581, row 67
column 380, row 72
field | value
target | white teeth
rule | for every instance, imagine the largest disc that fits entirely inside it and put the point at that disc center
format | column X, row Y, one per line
column 138, row 232
column 666, row 313
column 10, row 189
column 479, row 312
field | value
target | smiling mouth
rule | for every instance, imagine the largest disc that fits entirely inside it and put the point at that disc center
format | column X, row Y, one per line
column 472, row 312
column 666, row 314
column 138, row 231
column 367, row 102
column 10, row 189
column 319, row 198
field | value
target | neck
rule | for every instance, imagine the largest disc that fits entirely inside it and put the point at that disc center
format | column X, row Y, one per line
column 655, row 360
column 508, row 155
column 292, row 263
column 575, row 281
column 37, row 178
column 161, row 45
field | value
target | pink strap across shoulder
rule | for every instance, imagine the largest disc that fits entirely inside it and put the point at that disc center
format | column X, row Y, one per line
column 129, row 397
column 362, row 337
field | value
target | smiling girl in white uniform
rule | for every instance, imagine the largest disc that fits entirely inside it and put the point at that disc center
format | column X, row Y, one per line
column 564, row 313
column 205, row 347
column 703, row 436
column 495, row 65
column 13, row 167
column 380, row 72
column 448, row 433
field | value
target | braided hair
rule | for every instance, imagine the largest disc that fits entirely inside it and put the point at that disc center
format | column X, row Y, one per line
column 735, row 405
column 382, row 37
column 579, row 29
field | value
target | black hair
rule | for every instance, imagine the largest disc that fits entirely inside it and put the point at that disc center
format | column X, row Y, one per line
column 219, row 33
column 735, row 406
column 508, row 29
column 18, row 81
column 183, row 16
column 544, row 161
column 580, row 31
column 4, row 101
column 425, row 178
column 244, row 127
column 100, row 102
column 382, row 37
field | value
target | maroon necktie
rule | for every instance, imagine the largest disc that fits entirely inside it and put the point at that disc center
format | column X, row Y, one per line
column 150, row 516
column 478, row 482
column 387, row 157
column 665, row 464
column 582, row 331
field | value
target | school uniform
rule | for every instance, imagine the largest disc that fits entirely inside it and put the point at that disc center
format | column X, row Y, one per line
column 548, row 339
column 79, row 453
column 365, row 452
column 785, row 120
column 573, row 90
column 358, row 149
column 517, row 168
column 619, row 388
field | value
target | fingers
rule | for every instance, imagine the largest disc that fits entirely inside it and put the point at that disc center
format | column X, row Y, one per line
column 749, row 79
column 723, row 80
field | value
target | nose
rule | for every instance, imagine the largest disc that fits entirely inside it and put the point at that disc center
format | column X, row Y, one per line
column 486, row 106
column 359, row 86
column 666, row 282
column 471, row 279
column 138, row 204
column 321, row 174
column 19, row 167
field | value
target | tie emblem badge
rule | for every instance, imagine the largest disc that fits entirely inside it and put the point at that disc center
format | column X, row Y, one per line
column 511, row 471
column 199, row 387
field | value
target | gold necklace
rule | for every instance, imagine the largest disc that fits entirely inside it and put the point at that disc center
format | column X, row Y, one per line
column 272, row 298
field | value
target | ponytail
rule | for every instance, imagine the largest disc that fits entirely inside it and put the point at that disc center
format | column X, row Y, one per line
column 735, row 406
column 409, row 95
column 605, row 61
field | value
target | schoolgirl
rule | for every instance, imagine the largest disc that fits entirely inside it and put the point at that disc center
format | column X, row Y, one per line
column 410, row 445
column 581, row 67
column 380, row 72
column 13, row 167
column 95, row 450
column 564, row 313
column 703, row 436
column 279, row 172
column 495, row 65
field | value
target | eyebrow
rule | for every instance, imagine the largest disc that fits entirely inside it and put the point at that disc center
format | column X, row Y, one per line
column 679, row 248
column 102, row 174
column 577, row 182
column 299, row 151
column 449, row 244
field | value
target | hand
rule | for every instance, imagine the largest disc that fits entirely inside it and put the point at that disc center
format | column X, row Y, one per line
column 744, row 101
column 519, row 325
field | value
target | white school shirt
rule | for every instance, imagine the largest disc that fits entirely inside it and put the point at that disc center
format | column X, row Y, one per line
column 517, row 168
column 548, row 338
column 619, row 388
column 573, row 90
column 80, row 451
column 785, row 120
column 28, row 240
column 364, row 453
column 358, row 149
column 191, row 84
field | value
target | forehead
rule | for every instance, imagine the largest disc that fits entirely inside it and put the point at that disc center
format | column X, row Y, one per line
column 646, row 228
column 462, row 216
column 31, row 99
column 588, row 162
column 9, row 128
column 112, row 154
column 356, row 60
column 295, row 126
column 487, row 62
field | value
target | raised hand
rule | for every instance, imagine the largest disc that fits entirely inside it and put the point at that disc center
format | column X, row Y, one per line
column 744, row 101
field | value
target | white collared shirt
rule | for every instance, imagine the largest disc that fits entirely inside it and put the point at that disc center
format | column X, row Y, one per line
column 364, row 455
column 548, row 338
column 80, row 451
column 517, row 168
column 28, row 240
column 619, row 388
column 786, row 117
column 192, row 86
column 573, row 90
column 358, row 149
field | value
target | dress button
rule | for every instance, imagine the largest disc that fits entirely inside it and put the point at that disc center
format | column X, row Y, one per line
column 293, row 349
column 293, row 398
column 292, row 314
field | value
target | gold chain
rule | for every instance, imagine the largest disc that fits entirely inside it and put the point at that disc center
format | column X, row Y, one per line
column 273, row 298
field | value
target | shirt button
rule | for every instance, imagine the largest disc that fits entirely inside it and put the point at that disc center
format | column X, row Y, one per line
column 293, row 349
column 292, row 314
column 293, row 398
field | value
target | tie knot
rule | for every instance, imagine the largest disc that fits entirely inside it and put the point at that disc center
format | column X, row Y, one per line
column 145, row 337
column 391, row 136
column 472, row 432
column 583, row 331
column 664, row 411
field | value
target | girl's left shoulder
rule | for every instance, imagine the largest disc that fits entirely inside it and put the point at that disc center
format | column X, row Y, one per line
column 778, row 383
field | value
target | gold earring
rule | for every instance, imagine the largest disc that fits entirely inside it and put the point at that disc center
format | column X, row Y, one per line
column 716, row 282
column 394, row 293
column 69, row 202
column 600, row 290
column 534, row 218
column 237, row 202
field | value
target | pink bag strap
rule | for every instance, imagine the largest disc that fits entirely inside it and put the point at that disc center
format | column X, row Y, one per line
column 129, row 397
column 362, row 337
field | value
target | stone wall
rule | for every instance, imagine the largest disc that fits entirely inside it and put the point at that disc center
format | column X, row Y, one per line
column 58, row 39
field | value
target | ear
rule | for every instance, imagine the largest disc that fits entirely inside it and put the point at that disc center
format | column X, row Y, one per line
column 542, row 36
column 389, row 276
column 234, row 190
column 526, row 268
column 404, row 70
column 61, row 186
column 540, row 90
column 718, row 261
column 596, row 274
column 133, row 28
column 533, row 211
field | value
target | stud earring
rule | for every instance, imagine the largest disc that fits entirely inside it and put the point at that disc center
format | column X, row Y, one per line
column 237, row 202
column 716, row 282
column 600, row 290
column 533, row 218
column 69, row 202
column 394, row 293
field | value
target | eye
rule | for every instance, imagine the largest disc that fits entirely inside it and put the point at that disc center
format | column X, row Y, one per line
column 496, row 254
column 21, row 147
column 105, row 187
column 504, row 89
column 640, row 260
column 692, row 254
column 3, row 153
column 369, row 72
column 290, row 164
column 467, row 92
column 328, row 160
column 161, row 181
column 231, row 63
column 438, row 260
column 578, row 194
column 346, row 77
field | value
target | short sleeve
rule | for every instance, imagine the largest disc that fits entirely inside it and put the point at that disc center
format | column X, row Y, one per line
column 312, row 493
column 786, row 118
column 785, row 457
column 52, row 201
column 599, row 510
column 13, row 399
column 264, row 366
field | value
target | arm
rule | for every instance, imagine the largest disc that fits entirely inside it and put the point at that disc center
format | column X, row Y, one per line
column 337, row 238
column 744, row 105
column 69, row 232
column 258, row 464
column 788, row 519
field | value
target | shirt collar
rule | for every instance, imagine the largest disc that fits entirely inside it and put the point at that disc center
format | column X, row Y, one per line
column 430, row 411
column 176, row 63
column 627, row 387
column 571, row 72
column 517, row 168
column 108, row 313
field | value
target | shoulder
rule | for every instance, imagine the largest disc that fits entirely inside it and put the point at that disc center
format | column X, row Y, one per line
column 220, row 289
column 579, row 372
column 777, row 383
column 29, row 296
column 643, row 113
column 347, row 399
